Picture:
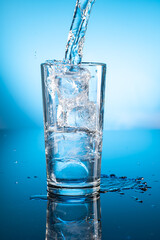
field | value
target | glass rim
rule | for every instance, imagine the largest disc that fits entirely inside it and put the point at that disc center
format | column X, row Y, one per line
column 50, row 62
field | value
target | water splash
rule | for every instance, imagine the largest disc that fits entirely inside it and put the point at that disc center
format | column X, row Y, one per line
column 76, row 37
column 113, row 183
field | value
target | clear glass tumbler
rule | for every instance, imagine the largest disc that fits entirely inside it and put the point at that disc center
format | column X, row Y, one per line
column 73, row 102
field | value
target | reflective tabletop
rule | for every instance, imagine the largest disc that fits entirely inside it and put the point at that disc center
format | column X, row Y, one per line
column 27, row 213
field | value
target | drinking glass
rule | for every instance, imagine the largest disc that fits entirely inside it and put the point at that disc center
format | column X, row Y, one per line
column 73, row 103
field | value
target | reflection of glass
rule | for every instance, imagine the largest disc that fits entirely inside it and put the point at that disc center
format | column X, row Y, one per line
column 73, row 218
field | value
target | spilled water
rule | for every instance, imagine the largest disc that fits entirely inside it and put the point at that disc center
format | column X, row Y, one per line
column 76, row 36
column 113, row 183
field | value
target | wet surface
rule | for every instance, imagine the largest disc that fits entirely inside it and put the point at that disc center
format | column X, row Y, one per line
column 130, row 158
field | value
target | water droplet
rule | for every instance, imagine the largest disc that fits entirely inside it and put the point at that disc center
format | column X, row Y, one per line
column 144, row 189
column 16, row 182
column 123, row 177
column 103, row 191
column 112, row 175
column 122, row 193
column 137, row 199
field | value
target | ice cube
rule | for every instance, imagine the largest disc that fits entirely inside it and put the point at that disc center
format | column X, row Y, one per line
column 83, row 116
column 71, row 170
column 77, row 114
column 72, row 83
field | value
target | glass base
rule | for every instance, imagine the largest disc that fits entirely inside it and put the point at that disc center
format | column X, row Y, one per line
column 66, row 191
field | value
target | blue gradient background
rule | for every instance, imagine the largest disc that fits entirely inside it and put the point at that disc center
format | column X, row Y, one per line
column 123, row 34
